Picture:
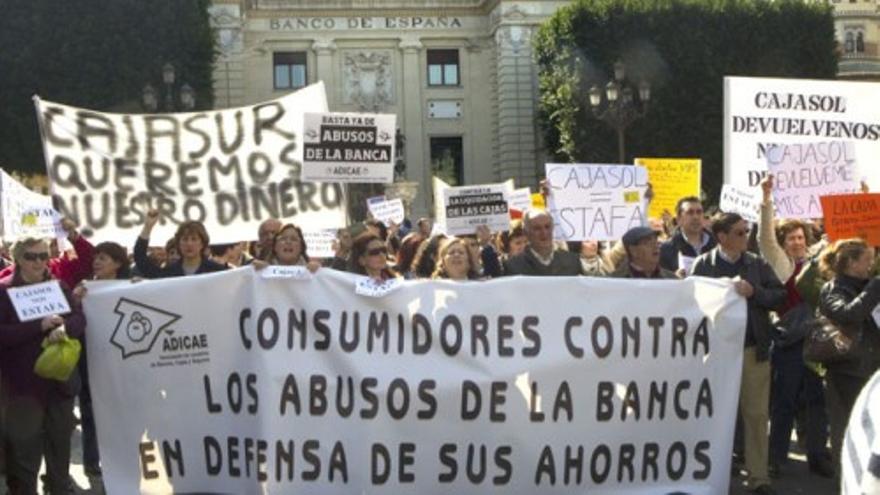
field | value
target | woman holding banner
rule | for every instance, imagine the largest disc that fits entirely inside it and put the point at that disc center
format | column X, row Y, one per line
column 289, row 248
column 38, row 411
column 848, row 300
column 456, row 262
column 369, row 257
column 191, row 241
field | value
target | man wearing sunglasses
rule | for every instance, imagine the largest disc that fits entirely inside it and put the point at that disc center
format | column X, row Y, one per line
column 754, row 280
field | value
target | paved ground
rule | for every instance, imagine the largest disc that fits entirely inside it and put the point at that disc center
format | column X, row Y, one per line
column 795, row 480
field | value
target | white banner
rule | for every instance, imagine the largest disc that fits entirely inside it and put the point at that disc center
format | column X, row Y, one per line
column 596, row 202
column 520, row 199
column 26, row 213
column 349, row 147
column 287, row 386
column 804, row 172
column 467, row 207
column 35, row 301
column 760, row 112
column 387, row 211
column 746, row 202
column 230, row 169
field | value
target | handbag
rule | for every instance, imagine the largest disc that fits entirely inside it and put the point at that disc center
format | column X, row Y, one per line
column 827, row 342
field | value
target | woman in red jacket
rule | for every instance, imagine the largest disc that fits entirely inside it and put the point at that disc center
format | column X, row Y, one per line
column 38, row 412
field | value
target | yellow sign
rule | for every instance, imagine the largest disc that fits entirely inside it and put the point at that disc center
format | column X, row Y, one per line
column 538, row 201
column 671, row 179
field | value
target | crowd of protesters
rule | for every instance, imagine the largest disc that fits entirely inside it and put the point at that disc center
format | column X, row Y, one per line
column 785, row 270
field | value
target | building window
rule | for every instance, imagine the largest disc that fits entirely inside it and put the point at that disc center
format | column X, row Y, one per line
column 443, row 68
column 290, row 70
column 860, row 42
column 447, row 159
column 854, row 41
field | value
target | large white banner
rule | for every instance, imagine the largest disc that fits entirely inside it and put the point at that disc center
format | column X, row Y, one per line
column 761, row 112
column 596, row 202
column 235, row 383
column 230, row 169
column 26, row 213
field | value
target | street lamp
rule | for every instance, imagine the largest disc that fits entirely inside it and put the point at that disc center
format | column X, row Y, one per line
column 399, row 160
column 186, row 94
column 621, row 107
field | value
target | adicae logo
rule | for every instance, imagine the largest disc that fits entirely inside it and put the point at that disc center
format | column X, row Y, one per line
column 139, row 326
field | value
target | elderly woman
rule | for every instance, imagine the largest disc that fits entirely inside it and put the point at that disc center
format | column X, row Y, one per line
column 369, row 257
column 848, row 300
column 38, row 412
column 456, row 261
column 191, row 241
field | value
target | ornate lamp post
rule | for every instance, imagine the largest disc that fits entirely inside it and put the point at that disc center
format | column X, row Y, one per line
column 620, row 108
column 186, row 100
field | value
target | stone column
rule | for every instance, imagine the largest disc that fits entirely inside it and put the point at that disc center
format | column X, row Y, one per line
column 324, row 50
column 418, row 169
column 228, row 24
column 517, row 105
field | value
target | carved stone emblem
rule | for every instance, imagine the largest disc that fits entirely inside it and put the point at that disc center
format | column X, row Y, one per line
column 368, row 79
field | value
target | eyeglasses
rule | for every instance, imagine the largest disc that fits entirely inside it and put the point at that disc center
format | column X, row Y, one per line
column 377, row 251
column 43, row 256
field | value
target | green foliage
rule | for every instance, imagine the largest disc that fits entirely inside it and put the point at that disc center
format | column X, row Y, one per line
column 93, row 54
column 684, row 48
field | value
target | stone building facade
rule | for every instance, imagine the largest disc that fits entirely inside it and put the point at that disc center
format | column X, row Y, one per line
column 458, row 74
column 857, row 28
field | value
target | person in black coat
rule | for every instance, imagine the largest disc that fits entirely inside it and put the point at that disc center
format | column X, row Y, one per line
column 848, row 300
column 191, row 240
column 690, row 239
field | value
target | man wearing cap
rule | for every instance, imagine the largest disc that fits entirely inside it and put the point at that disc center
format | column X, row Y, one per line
column 541, row 257
column 642, row 255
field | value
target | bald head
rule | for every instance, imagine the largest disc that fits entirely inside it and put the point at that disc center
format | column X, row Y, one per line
column 265, row 233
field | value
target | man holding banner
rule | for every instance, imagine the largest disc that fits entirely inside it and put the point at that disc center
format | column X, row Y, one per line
column 755, row 281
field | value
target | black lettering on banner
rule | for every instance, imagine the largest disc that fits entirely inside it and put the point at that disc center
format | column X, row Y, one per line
column 337, row 462
column 649, row 460
column 290, row 396
column 146, row 449
column 310, row 457
column 502, row 461
column 259, row 167
column 317, row 395
column 625, row 462
column 227, row 147
column 97, row 174
column 631, row 332
column 284, row 456
column 421, row 327
column 126, row 168
column 599, row 472
column 133, row 145
column 604, row 404
column 367, row 385
column 190, row 127
column 563, row 402
column 425, row 393
column 48, row 128
column 631, row 402
column 704, row 459
column 470, row 392
column 213, row 407
column 530, row 333
column 451, row 322
column 262, row 123
column 479, row 333
column 602, row 323
column 407, row 459
column 306, row 192
column 546, row 466
column 701, row 336
column 331, row 195
column 95, row 125
column 475, row 475
column 448, row 461
column 350, row 345
column 570, row 324
column 505, row 335
column 268, row 315
column 188, row 183
column 657, row 395
column 243, row 316
column 677, row 449
column 656, row 323
column 380, row 464
column 679, row 332
column 535, row 415
column 342, row 407
column 215, row 167
column 395, row 411
column 680, row 412
column 496, row 401
column 704, row 399
column 155, row 130
column 213, row 456
column 574, row 461
column 378, row 329
column 70, row 178
column 156, row 178
column 320, row 327
column 173, row 456
column 90, row 206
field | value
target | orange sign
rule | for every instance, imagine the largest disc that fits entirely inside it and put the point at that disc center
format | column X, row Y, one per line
column 852, row 215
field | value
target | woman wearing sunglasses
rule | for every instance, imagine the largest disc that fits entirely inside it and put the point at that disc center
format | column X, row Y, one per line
column 38, row 411
column 369, row 257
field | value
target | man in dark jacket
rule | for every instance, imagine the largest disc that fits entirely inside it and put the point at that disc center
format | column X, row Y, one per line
column 540, row 256
column 755, row 280
column 690, row 239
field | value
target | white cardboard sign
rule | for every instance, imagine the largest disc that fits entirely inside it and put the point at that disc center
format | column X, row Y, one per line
column 349, row 147
column 36, row 301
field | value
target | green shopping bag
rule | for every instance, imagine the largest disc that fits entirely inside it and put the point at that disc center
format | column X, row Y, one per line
column 58, row 360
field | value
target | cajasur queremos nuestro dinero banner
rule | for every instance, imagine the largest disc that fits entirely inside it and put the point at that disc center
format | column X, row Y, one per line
column 239, row 383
